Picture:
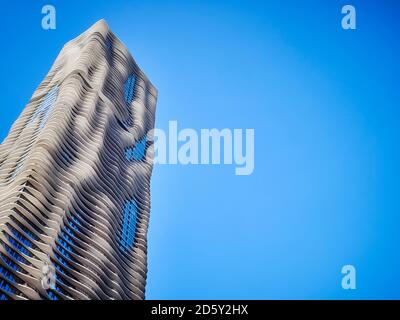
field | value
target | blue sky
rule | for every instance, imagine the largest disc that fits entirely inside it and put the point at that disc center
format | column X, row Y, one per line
column 324, row 106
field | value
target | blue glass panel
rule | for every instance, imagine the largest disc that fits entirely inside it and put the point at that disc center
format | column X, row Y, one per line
column 64, row 242
column 52, row 296
column 129, row 89
column 76, row 219
column 29, row 233
column 137, row 152
column 129, row 225
column 73, row 226
column 63, row 252
column 16, row 255
column 5, row 286
column 67, row 237
column 59, row 269
column 58, row 279
column 21, row 238
column 62, row 261
column 7, row 274
column 17, row 246
column 10, row 263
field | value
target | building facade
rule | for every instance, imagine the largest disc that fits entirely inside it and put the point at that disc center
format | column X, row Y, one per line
column 75, row 174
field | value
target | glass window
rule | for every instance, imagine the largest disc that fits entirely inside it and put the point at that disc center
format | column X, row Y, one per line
column 136, row 152
column 129, row 225
column 129, row 87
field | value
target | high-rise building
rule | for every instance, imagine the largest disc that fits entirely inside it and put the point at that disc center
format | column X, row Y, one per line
column 75, row 174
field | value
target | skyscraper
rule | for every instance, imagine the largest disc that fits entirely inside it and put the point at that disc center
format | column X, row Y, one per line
column 75, row 174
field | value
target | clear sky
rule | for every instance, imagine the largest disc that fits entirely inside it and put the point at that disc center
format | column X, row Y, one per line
column 324, row 104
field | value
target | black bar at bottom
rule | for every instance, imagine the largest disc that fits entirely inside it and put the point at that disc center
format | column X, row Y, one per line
column 197, row 309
